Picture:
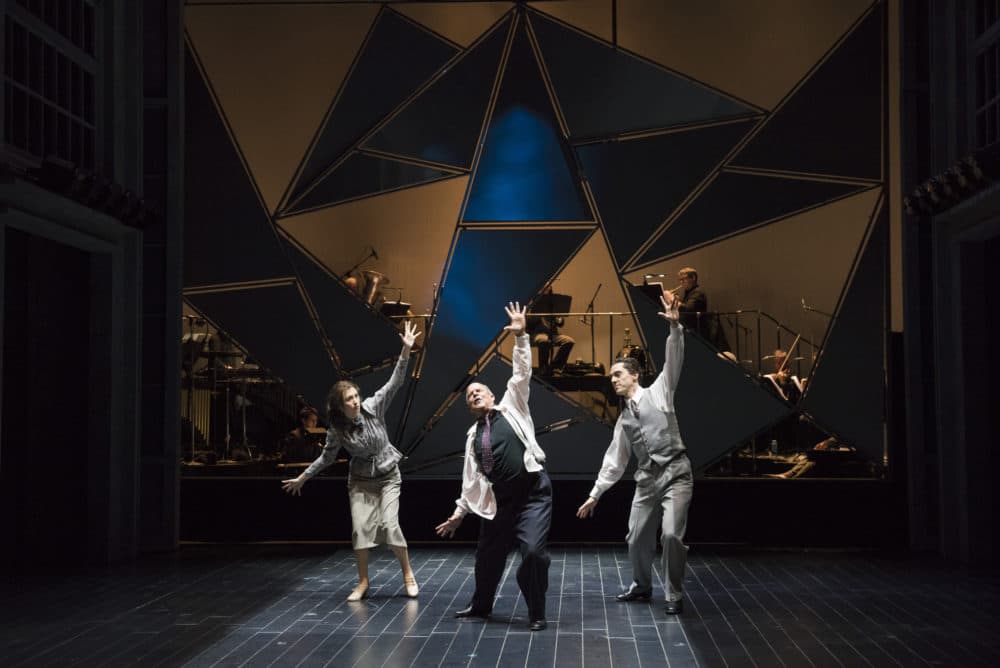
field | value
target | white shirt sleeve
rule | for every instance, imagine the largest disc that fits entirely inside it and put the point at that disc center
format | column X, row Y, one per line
column 665, row 385
column 615, row 460
column 519, row 385
column 477, row 492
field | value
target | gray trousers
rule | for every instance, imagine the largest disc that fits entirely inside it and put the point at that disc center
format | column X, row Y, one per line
column 662, row 497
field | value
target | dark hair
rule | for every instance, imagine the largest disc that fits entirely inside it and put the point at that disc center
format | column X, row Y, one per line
column 335, row 403
column 308, row 411
column 631, row 365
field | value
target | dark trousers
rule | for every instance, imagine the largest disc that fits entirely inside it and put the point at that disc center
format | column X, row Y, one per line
column 524, row 515
column 546, row 360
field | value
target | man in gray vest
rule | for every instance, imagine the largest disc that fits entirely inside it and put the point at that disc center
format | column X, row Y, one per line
column 648, row 428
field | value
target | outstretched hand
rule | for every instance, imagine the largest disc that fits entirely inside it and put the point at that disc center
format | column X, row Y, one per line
column 409, row 334
column 447, row 528
column 516, row 314
column 670, row 303
column 293, row 486
column 587, row 509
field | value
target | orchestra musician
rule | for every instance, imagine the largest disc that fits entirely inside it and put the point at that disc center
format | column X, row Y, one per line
column 353, row 284
column 300, row 444
column 544, row 331
column 693, row 307
column 782, row 381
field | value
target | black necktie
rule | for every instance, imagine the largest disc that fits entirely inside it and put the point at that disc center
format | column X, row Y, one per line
column 487, row 447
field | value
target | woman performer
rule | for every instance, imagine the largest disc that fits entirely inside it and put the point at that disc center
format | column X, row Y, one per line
column 374, row 481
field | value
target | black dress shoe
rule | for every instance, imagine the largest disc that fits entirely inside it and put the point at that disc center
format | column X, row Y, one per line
column 538, row 625
column 471, row 613
column 674, row 607
column 633, row 593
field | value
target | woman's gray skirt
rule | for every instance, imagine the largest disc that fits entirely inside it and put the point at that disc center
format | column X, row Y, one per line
column 375, row 511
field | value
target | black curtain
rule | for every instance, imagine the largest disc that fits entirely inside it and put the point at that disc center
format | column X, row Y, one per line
column 46, row 401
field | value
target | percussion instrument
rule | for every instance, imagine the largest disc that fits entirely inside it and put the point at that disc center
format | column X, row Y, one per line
column 638, row 353
column 374, row 282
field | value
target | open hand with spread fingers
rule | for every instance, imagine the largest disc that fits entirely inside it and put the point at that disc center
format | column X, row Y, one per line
column 670, row 303
column 409, row 334
column 517, row 318
column 447, row 528
column 293, row 485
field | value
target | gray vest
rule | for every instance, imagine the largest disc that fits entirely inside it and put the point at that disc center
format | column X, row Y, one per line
column 653, row 434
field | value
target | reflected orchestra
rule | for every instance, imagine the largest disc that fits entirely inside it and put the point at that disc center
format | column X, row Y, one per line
column 239, row 419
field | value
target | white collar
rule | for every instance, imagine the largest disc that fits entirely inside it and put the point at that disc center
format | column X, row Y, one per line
column 638, row 394
column 496, row 407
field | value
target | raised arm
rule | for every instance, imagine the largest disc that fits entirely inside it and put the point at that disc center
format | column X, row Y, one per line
column 519, row 385
column 380, row 401
column 673, row 356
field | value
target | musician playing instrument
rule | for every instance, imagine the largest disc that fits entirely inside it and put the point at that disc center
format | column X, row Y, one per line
column 544, row 331
column 786, row 434
column 298, row 444
column 353, row 284
column 782, row 382
column 692, row 297
column 373, row 484
column 693, row 307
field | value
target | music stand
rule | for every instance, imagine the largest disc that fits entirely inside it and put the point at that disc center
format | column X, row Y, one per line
column 551, row 303
column 652, row 290
column 395, row 309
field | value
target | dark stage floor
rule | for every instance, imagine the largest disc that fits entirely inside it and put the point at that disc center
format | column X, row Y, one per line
column 284, row 606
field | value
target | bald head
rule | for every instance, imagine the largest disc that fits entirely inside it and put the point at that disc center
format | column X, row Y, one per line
column 479, row 399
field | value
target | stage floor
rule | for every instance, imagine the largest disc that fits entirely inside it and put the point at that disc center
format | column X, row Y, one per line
column 283, row 605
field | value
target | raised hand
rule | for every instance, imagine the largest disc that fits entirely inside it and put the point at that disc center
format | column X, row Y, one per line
column 516, row 314
column 409, row 333
column 670, row 303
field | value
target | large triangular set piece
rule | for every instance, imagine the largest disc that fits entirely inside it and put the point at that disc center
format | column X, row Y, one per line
column 498, row 114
